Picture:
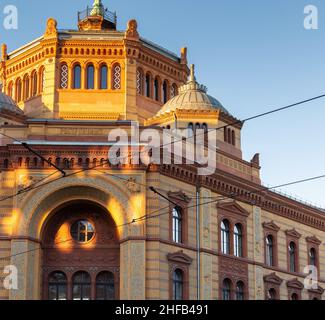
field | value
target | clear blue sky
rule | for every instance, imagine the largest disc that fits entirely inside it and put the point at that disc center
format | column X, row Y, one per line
column 253, row 55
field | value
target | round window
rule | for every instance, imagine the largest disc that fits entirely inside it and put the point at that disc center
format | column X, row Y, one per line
column 82, row 231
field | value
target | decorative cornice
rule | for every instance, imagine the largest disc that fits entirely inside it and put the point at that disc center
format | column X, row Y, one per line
column 293, row 233
column 273, row 278
column 313, row 240
column 179, row 196
column 233, row 207
column 319, row 290
column 180, row 257
column 271, row 226
column 295, row 284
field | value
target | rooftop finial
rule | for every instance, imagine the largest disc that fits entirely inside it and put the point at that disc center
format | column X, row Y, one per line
column 192, row 75
column 98, row 9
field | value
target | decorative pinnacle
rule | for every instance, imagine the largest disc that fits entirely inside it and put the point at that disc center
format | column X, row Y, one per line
column 192, row 75
column 98, row 9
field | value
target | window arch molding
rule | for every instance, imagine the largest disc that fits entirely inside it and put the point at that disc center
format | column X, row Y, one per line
column 292, row 237
column 179, row 261
column 90, row 74
column 295, row 287
column 19, row 90
column 234, row 214
column 34, row 83
column 103, row 72
column 76, row 73
column 26, row 87
column 270, row 229
column 180, row 201
column 272, row 282
column 313, row 243
column 41, row 79
column 57, row 286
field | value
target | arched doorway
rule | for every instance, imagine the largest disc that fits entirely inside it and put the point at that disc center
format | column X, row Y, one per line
column 80, row 254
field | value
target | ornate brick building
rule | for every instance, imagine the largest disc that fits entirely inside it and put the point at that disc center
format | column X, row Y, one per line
column 78, row 227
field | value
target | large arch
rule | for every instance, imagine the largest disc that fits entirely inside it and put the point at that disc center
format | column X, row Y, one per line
column 35, row 208
column 64, row 252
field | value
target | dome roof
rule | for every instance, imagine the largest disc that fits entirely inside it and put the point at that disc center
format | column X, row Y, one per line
column 8, row 104
column 192, row 96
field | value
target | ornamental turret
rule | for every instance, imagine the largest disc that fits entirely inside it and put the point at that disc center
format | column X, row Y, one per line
column 97, row 18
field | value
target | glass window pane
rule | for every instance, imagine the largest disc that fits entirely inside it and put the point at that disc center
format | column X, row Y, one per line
column 103, row 77
column 77, row 77
column 90, row 77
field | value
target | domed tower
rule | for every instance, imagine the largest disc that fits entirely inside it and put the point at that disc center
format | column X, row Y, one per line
column 94, row 73
column 193, row 108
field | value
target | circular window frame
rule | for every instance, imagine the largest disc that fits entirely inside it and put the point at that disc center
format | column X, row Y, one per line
column 83, row 220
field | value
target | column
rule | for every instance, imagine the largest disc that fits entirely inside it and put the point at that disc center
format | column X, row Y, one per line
column 133, row 270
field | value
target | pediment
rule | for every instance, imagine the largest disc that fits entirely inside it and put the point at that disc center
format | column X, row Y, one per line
column 180, row 257
column 271, row 226
column 179, row 196
column 319, row 290
column 233, row 207
column 273, row 278
column 293, row 233
column 295, row 284
column 314, row 240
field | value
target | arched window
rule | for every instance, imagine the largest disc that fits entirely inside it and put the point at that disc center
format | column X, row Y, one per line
column 10, row 89
column 177, row 224
column 238, row 240
column 90, row 77
column 165, row 92
column 81, row 286
column 64, row 76
column 294, row 296
column 173, row 91
column 57, row 286
column 77, row 77
column 26, row 87
column 34, row 84
column 19, row 90
column 178, row 285
column 6, row 163
column 205, row 127
column 226, row 289
column 139, row 81
column 233, row 138
column 116, row 79
column 197, row 127
column 105, row 288
column 272, row 294
column 312, row 257
column 148, row 85
column 229, row 136
column 269, row 251
column 225, row 132
column 225, row 239
column 103, row 76
column 190, row 130
column 240, row 290
column 156, row 89
column 41, row 79
column 292, row 257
